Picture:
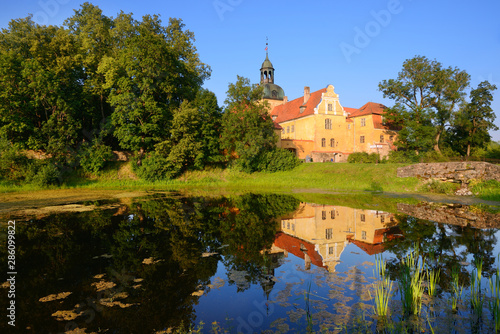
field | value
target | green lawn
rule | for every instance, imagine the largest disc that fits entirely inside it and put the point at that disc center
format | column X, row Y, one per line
column 310, row 177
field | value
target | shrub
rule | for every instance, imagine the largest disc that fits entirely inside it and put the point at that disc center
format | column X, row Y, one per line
column 154, row 167
column 276, row 160
column 94, row 157
column 403, row 157
column 363, row 157
column 43, row 174
column 13, row 164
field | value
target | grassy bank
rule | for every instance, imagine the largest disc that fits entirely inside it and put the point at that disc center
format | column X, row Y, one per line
column 311, row 177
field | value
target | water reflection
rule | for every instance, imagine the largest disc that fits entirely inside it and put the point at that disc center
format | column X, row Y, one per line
column 319, row 233
column 166, row 262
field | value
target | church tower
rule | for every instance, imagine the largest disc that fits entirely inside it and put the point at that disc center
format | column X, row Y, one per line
column 273, row 93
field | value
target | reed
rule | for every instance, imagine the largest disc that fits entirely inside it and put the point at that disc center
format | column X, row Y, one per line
column 411, row 279
column 432, row 280
column 494, row 303
column 383, row 287
column 475, row 287
column 457, row 289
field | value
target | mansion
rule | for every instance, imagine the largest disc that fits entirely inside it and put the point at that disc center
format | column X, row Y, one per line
column 316, row 126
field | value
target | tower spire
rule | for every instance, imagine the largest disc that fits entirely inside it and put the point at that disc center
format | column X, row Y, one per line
column 267, row 48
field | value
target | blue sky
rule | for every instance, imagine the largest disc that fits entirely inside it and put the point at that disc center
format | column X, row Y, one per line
column 352, row 45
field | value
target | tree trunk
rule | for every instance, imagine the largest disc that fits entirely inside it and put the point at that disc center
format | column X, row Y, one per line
column 436, row 144
column 468, row 151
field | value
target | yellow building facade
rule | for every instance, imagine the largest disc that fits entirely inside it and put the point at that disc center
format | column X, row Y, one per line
column 317, row 127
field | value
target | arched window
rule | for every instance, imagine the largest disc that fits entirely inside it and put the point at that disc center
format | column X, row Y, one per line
column 323, row 142
column 332, row 142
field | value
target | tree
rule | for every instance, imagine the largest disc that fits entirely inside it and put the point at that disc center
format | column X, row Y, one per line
column 156, row 69
column 426, row 96
column 475, row 119
column 247, row 128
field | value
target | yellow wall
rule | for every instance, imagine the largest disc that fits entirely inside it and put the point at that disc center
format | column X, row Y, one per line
column 305, row 135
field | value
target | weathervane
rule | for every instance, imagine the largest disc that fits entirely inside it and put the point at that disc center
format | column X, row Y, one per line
column 266, row 46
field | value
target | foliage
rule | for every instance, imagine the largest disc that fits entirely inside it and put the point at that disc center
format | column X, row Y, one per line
column 402, row 157
column 363, row 157
column 247, row 128
column 474, row 120
column 60, row 85
column 13, row 164
column 426, row 96
column 276, row 160
column 94, row 156
column 43, row 173
column 154, row 167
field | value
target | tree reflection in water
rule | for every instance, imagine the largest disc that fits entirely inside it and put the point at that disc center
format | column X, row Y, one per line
column 144, row 267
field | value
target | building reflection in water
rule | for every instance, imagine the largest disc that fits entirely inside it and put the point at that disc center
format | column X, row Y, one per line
column 320, row 233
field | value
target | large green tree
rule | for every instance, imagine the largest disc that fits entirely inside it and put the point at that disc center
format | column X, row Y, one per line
column 474, row 120
column 151, row 74
column 426, row 96
column 248, row 130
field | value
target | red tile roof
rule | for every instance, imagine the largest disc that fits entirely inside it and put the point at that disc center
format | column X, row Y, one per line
column 293, row 245
column 368, row 109
column 291, row 109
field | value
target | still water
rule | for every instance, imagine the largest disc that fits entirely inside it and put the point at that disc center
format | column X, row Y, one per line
column 269, row 263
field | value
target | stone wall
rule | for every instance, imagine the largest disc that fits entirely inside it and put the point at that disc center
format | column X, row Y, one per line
column 456, row 171
column 451, row 214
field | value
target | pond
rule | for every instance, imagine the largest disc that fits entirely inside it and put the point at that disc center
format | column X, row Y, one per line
column 270, row 263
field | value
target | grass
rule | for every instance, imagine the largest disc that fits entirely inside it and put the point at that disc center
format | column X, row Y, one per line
column 311, row 177
column 383, row 288
column 411, row 282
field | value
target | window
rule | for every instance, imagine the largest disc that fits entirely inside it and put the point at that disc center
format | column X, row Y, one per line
column 328, row 233
column 288, row 225
column 328, row 124
column 323, row 215
column 363, row 235
column 330, row 107
column 323, row 142
column 283, row 130
column 391, row 138
column 348, row 126
column 383, row 120
column 284, row 223
column 293, row 227
column 381, row 138
column 332, row 142
column 330, row 250
column 293, row 128
column 363, row 122
column 287, row 129
column 362, row 217
column 362, row 139
column 382, row 219
column 332, row 214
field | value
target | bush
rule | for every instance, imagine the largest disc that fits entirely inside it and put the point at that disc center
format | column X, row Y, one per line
column 276, row 160
column 154, row 167
column 94, row 157
column 363, row 157
column 13, row 164
column 403, row 157
column 43, row 174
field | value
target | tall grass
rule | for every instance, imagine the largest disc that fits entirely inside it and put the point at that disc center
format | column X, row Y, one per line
column 383, row 287
column 432, row 280
column 457, row 289
column 411, row 279
column 475, row 287
column 494, row 303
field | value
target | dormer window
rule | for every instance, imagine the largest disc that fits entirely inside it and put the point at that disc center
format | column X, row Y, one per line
column 302, row 109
